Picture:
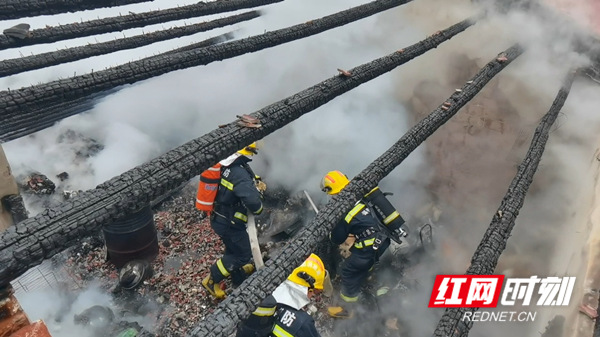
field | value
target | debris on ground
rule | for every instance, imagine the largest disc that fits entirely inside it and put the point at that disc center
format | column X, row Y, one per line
column 84, row 147
column 63, row 176
column 37, row 184
column 69, row 194
column 173, row 298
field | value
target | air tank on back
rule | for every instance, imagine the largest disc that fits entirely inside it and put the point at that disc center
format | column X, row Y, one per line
column 384, row 210
column 133, row 237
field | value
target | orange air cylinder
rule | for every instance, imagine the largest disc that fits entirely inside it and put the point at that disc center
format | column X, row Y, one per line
column 207, row 189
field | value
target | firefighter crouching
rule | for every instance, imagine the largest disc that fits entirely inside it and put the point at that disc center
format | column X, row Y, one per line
column 226, row 192
column 281, row 313
column 371, row 239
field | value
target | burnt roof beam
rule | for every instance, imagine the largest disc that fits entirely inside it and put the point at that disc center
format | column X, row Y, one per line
column 14, row 103
column 46, row 117
column 16, row 9
column 494, row 240
column 129, row 21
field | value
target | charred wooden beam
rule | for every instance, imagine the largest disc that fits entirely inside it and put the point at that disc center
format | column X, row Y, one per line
column 15, row 205
column 27, row 244
column 15, row 102
column 203, row 44
column 38, row 120
column 39, row 61
column 16, row 9
column 494, row 241
column 123, row 22
column 239, row 305
column 44, row 118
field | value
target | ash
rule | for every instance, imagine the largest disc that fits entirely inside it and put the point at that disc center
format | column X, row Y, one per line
column 173, row 300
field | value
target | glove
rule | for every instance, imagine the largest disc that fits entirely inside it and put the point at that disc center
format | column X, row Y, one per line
column 261, row 186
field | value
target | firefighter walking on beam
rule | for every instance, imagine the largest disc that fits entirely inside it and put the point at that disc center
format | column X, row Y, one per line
column 227, row 191
column 372, row 221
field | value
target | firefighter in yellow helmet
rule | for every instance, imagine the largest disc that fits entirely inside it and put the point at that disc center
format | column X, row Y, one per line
column 237, row 194
column 281, row 313
column 371, row 241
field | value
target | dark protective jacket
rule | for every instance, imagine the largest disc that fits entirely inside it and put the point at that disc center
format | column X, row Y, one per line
column 237, row 193
column 273, row 319
column 363, row 225
column 261, row 321
column 292, row 322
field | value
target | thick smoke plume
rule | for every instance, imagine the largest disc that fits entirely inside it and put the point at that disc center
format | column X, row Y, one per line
column 462, row 171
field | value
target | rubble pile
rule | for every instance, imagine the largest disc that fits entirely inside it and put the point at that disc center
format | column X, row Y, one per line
column 84, row 147
column 174, row 297
column 37, row 184
column 45, row 192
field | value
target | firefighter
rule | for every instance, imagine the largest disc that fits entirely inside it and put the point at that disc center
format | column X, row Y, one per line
column 281, row 313
column 370, row 241
column 237, row 193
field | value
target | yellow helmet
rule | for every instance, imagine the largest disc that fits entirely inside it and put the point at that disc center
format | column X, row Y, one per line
column 333, row 182
column 249, row 150
column 311, row 273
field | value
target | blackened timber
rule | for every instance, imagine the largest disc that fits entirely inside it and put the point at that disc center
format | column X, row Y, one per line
column 494, row 240
column 203, row 44
column 41, row 119
column 245, row 298
column 26, row 124
column 35, row 97
column 16, row 9
column 56, row 229
column 39, row 61
column 124, row 22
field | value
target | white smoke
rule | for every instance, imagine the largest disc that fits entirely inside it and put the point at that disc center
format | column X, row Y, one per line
column 151, row 117
column 47, row 306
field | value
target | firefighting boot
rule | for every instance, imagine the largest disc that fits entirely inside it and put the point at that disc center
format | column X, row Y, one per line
column 212, row 287
column 340, row 312
column 248, row 268
column 342, row 308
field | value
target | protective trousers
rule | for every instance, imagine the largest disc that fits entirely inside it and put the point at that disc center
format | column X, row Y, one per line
column 237, row 252
column 355, row 271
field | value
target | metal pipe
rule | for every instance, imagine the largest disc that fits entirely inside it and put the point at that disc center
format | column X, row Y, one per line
column 311, row 202
column 327, row 286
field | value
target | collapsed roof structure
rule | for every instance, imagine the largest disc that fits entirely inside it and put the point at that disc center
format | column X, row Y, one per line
column 28, row 110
